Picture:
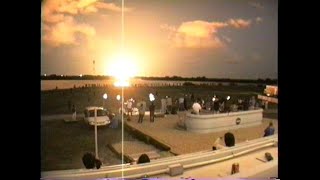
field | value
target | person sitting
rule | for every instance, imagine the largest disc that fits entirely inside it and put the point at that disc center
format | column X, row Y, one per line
column 269, row 130
column 217, row 144
column 144, row 158
column 229, row 139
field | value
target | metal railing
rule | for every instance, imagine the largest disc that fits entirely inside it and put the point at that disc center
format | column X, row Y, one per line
column 161, row 166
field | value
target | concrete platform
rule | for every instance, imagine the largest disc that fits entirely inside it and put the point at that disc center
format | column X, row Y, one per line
column 250, row 167
column 178, row 141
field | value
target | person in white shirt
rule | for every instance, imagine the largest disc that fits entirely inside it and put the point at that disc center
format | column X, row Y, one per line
column 163, row 105
column 196, row 108
column 181, row 104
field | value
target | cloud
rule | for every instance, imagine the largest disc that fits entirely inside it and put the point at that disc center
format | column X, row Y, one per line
column 195, row 34
column 258, row 19
column 201, row 34
column 60, row 26
column 256, row 5
column 57, row 8
column 239, row 23
column 112, row 7
column 65, row 32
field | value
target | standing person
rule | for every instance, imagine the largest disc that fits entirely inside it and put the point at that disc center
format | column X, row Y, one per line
column 74, row 113
column 141, row 112
column 181, row 104
column 152, row 109
column 163, row 105
column 192, row 98
column 129, row 108
column 185, row 103
column 169, row 104
column 216, row 106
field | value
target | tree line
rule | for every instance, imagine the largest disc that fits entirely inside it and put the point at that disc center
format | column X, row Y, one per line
column 166, row 78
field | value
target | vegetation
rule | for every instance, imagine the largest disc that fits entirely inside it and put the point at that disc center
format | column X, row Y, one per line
column 167, row 78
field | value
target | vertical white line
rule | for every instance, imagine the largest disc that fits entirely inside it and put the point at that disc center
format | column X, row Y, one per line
column 122, row 49
column 122, row 25
column 122, row 99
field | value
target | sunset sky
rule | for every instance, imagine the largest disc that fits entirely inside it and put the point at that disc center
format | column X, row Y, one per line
column 212, row 38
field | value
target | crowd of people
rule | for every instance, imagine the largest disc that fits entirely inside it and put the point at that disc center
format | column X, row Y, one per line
column 170, row 105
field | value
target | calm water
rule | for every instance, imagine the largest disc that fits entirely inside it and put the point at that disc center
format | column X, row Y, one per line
column 65, row 84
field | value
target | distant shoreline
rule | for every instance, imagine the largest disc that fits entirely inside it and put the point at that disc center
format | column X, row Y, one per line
column 166, row 78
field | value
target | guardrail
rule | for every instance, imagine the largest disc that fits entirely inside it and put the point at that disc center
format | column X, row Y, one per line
column 267, row 98
column 161, row 166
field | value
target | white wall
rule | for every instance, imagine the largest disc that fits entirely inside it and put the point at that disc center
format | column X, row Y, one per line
column 219, row 122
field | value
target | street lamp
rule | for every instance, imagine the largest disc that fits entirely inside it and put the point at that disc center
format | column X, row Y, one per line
column 151, row 97
column 105, row 96
column 228, row 107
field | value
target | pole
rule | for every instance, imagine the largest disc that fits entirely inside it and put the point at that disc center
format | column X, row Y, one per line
column 95, row 133
column 122, row 99
column 122, row 49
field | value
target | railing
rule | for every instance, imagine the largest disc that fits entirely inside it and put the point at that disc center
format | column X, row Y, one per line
column 161, row 166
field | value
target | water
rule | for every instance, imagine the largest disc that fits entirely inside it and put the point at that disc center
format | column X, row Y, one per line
column 66, row 84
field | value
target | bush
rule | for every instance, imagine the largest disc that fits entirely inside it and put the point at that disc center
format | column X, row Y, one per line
column 89, row 160
column 144, row 158
column 98, row 163
column 188, row 84
column 229, row 139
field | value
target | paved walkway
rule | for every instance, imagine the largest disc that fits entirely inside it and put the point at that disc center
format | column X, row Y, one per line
column 249, row 164
column 180, row 141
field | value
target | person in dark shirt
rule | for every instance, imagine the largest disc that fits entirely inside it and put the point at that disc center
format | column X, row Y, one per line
column 152, row 109
column 269, row 130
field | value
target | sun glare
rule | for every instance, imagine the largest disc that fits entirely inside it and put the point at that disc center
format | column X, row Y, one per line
column 122, row 67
